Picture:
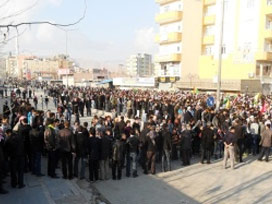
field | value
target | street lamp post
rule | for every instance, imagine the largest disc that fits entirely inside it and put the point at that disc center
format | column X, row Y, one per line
column 220, row 57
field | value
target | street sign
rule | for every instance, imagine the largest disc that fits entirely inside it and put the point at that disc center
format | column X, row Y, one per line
column 210, row 101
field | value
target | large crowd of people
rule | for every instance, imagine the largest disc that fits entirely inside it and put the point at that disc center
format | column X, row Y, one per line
column 144, row 128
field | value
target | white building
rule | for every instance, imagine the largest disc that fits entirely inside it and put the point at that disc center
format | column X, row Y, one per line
column 140, row 65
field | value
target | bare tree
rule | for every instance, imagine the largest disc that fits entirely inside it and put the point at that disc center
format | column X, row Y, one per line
column 7, row 28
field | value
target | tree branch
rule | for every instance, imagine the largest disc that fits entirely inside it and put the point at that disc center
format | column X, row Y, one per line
column 47, row 22
column 19, row 12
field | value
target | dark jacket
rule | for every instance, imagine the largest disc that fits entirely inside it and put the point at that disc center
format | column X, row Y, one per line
column 230, row 138
column 151, row 145
column 36, row 140
column 121, row 126
column 81, row 142
column 106, row 147
column 15, row 146
column 239, row 132
column 186, row 140
column 23, row 133
column 66, row 142
column 118, row 151
column 94, row 148
column 207, row 140
column 133, row 142
column 50, row 139
column 167, row 140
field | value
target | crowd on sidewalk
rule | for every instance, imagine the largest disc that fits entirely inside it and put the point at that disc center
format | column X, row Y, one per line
column 147, row 128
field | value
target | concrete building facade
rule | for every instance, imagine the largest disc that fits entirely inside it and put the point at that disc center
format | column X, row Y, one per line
column 189, row 40
column 140, row 65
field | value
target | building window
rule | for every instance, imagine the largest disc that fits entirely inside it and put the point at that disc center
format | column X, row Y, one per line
column 178, row 48
column 224, row 49
column 250, row 3
column 166, row 8
column 208, row 50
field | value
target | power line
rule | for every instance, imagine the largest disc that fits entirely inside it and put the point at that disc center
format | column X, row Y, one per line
column 48, row 22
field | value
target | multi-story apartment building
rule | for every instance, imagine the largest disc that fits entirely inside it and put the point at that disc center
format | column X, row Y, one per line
column 140, row 65
column 189, row 39
column 34, row 67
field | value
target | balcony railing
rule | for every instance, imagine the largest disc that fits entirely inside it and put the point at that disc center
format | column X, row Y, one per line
column 162, row 2
column 209, row 2
column 209, row 20
column 169, row 58
column 169, row 17
column 173, row 37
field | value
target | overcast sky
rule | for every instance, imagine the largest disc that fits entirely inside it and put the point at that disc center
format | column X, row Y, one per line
column 110, row 32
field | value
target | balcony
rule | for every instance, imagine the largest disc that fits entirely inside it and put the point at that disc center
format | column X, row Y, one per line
column 268, row 8
column 268, row 34
column 264, row 56
column 162, row 2
column 170, row 38
column 209, row 2
column 169, row 17
column 208, row 40
column 169, row 58
column 209, row 20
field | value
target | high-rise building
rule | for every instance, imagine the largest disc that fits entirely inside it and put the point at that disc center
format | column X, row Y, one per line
column 140, row 65
column 189, row 39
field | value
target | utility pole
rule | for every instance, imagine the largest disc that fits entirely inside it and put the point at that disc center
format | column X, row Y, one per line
column 66, row 53
column 220, row 57
column 16, row 72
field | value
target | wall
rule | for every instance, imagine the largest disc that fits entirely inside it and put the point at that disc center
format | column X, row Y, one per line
column 191, row 36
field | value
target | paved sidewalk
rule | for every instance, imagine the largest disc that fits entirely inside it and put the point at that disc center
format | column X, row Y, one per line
column 249, row 183
column 45, row 190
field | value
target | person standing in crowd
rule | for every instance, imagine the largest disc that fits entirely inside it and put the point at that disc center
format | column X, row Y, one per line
column 81, row 150
column 51, row 143
column 266, row 142
column 66, row 145
column 118, row 151
column 186, row 145
column 106, row 148
column 151, row 152
column 133, row 142
column 207, row 143
column 2, row 162
column 229, row 141
column 94, row 150
column 6, row 110
column 167, row 148
column 36, row 144
column 46, row 100
column 23, row 132
column 16, row 152
column 240, row 135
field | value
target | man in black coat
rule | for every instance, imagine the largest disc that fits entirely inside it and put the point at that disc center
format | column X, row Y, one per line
column 36, row 143
column 67, row 146
column 81, row 150
column 118, row 151
column 51, row 144
column 2, row 161
column 94, row 150
column 106, row 147
column 186, row 145
column 23, row 133
column 16, row 151
column 207, row 143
